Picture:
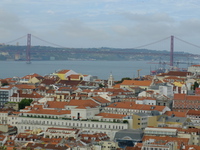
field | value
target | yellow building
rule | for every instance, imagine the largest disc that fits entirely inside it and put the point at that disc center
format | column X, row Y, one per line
column 65, row 74
column 142, row 120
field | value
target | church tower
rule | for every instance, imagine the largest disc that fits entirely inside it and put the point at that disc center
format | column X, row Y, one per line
column 110, row 81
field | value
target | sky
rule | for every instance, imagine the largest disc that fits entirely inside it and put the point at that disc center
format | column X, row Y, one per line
column 102, row 23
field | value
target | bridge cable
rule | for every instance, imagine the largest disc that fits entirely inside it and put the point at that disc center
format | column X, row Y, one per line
column 151, row 43
column 187, row 42
column 49, row 42
column 15, row 39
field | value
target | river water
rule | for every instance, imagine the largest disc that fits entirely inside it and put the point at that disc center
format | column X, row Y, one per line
column 102, row 69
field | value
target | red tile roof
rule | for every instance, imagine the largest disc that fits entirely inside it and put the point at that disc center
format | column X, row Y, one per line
column 56, row 104
column 49, row 112
column 137, row 82
column 109, row 115
column 175, row 113
column 31, row 76
column 193, row 112
column 132, row 105
column 100, row 99
column 75, row 76
column 83, row 103
column 186, row 97
column 25, row 86
column 63, row 71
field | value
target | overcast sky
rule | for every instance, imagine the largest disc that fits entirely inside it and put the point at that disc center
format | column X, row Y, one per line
column 102, row 23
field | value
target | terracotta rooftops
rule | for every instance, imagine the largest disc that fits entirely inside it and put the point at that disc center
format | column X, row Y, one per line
column 49, row 112
column 186, row 97
column 175, row 113
column 74, row 76
column 132, row 105
column 31, row 76
column 109, row 115
column 38, row 109
column 83, row 103
column 195, row 65
column 193, row 112
column 25, row 86
column 56, row 104
column 100, row 99
column 63, row 71
column 137, row 82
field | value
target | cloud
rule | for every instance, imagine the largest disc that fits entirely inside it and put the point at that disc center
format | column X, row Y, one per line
column 78, row 29
column 11, row 25
column 50, row 12
column 143, row 18
column 89, row 23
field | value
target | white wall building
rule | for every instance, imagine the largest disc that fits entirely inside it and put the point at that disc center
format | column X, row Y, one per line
column 166, row 90
column 146, row 101
column 31, row 123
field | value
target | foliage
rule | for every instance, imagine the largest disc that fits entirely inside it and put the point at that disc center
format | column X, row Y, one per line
column 4, row 84
column 196, row 85
column 125, row 121
column 24, row 102
column 101, row 85
column 126, row 78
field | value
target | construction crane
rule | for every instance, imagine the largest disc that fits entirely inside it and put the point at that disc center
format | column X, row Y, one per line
column 139, row 73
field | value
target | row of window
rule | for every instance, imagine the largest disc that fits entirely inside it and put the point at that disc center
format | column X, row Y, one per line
column 78, row 124
column 152, row 148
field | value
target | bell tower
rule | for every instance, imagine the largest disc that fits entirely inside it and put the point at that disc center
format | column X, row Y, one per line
column 110, row 81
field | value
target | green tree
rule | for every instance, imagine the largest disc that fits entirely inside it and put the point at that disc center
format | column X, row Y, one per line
column 126, row 78
column 4, row 84
column 125, row 121
column 24, row 102
column 196, row 85
column 101, row 85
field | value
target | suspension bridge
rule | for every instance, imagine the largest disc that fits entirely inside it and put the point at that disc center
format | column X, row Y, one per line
column 127, row 51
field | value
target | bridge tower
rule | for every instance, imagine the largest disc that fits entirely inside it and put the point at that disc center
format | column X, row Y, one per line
column 172, row 52
column 28, row 55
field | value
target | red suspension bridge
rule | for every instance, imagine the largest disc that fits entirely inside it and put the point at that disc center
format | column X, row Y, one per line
column 171, row 54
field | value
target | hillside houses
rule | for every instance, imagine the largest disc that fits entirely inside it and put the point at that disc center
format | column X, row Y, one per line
column 71, row 111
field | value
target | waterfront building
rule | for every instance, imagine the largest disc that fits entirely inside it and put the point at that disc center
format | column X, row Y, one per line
column 195, row 69
column 32, row 78
column 64, row 74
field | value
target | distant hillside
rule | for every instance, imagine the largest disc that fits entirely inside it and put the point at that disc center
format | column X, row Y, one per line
column 9, row 52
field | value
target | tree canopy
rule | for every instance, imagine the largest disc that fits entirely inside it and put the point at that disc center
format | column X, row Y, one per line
column 126, row 78
column 24, row 102
column 196, row 85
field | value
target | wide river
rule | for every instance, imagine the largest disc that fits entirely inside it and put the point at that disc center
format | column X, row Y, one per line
column 102, row 69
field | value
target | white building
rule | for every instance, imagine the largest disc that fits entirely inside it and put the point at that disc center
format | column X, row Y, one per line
column 194, row 69
column 166, row 90
column 146, row 101
column 95, row 126
column 5, row 93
